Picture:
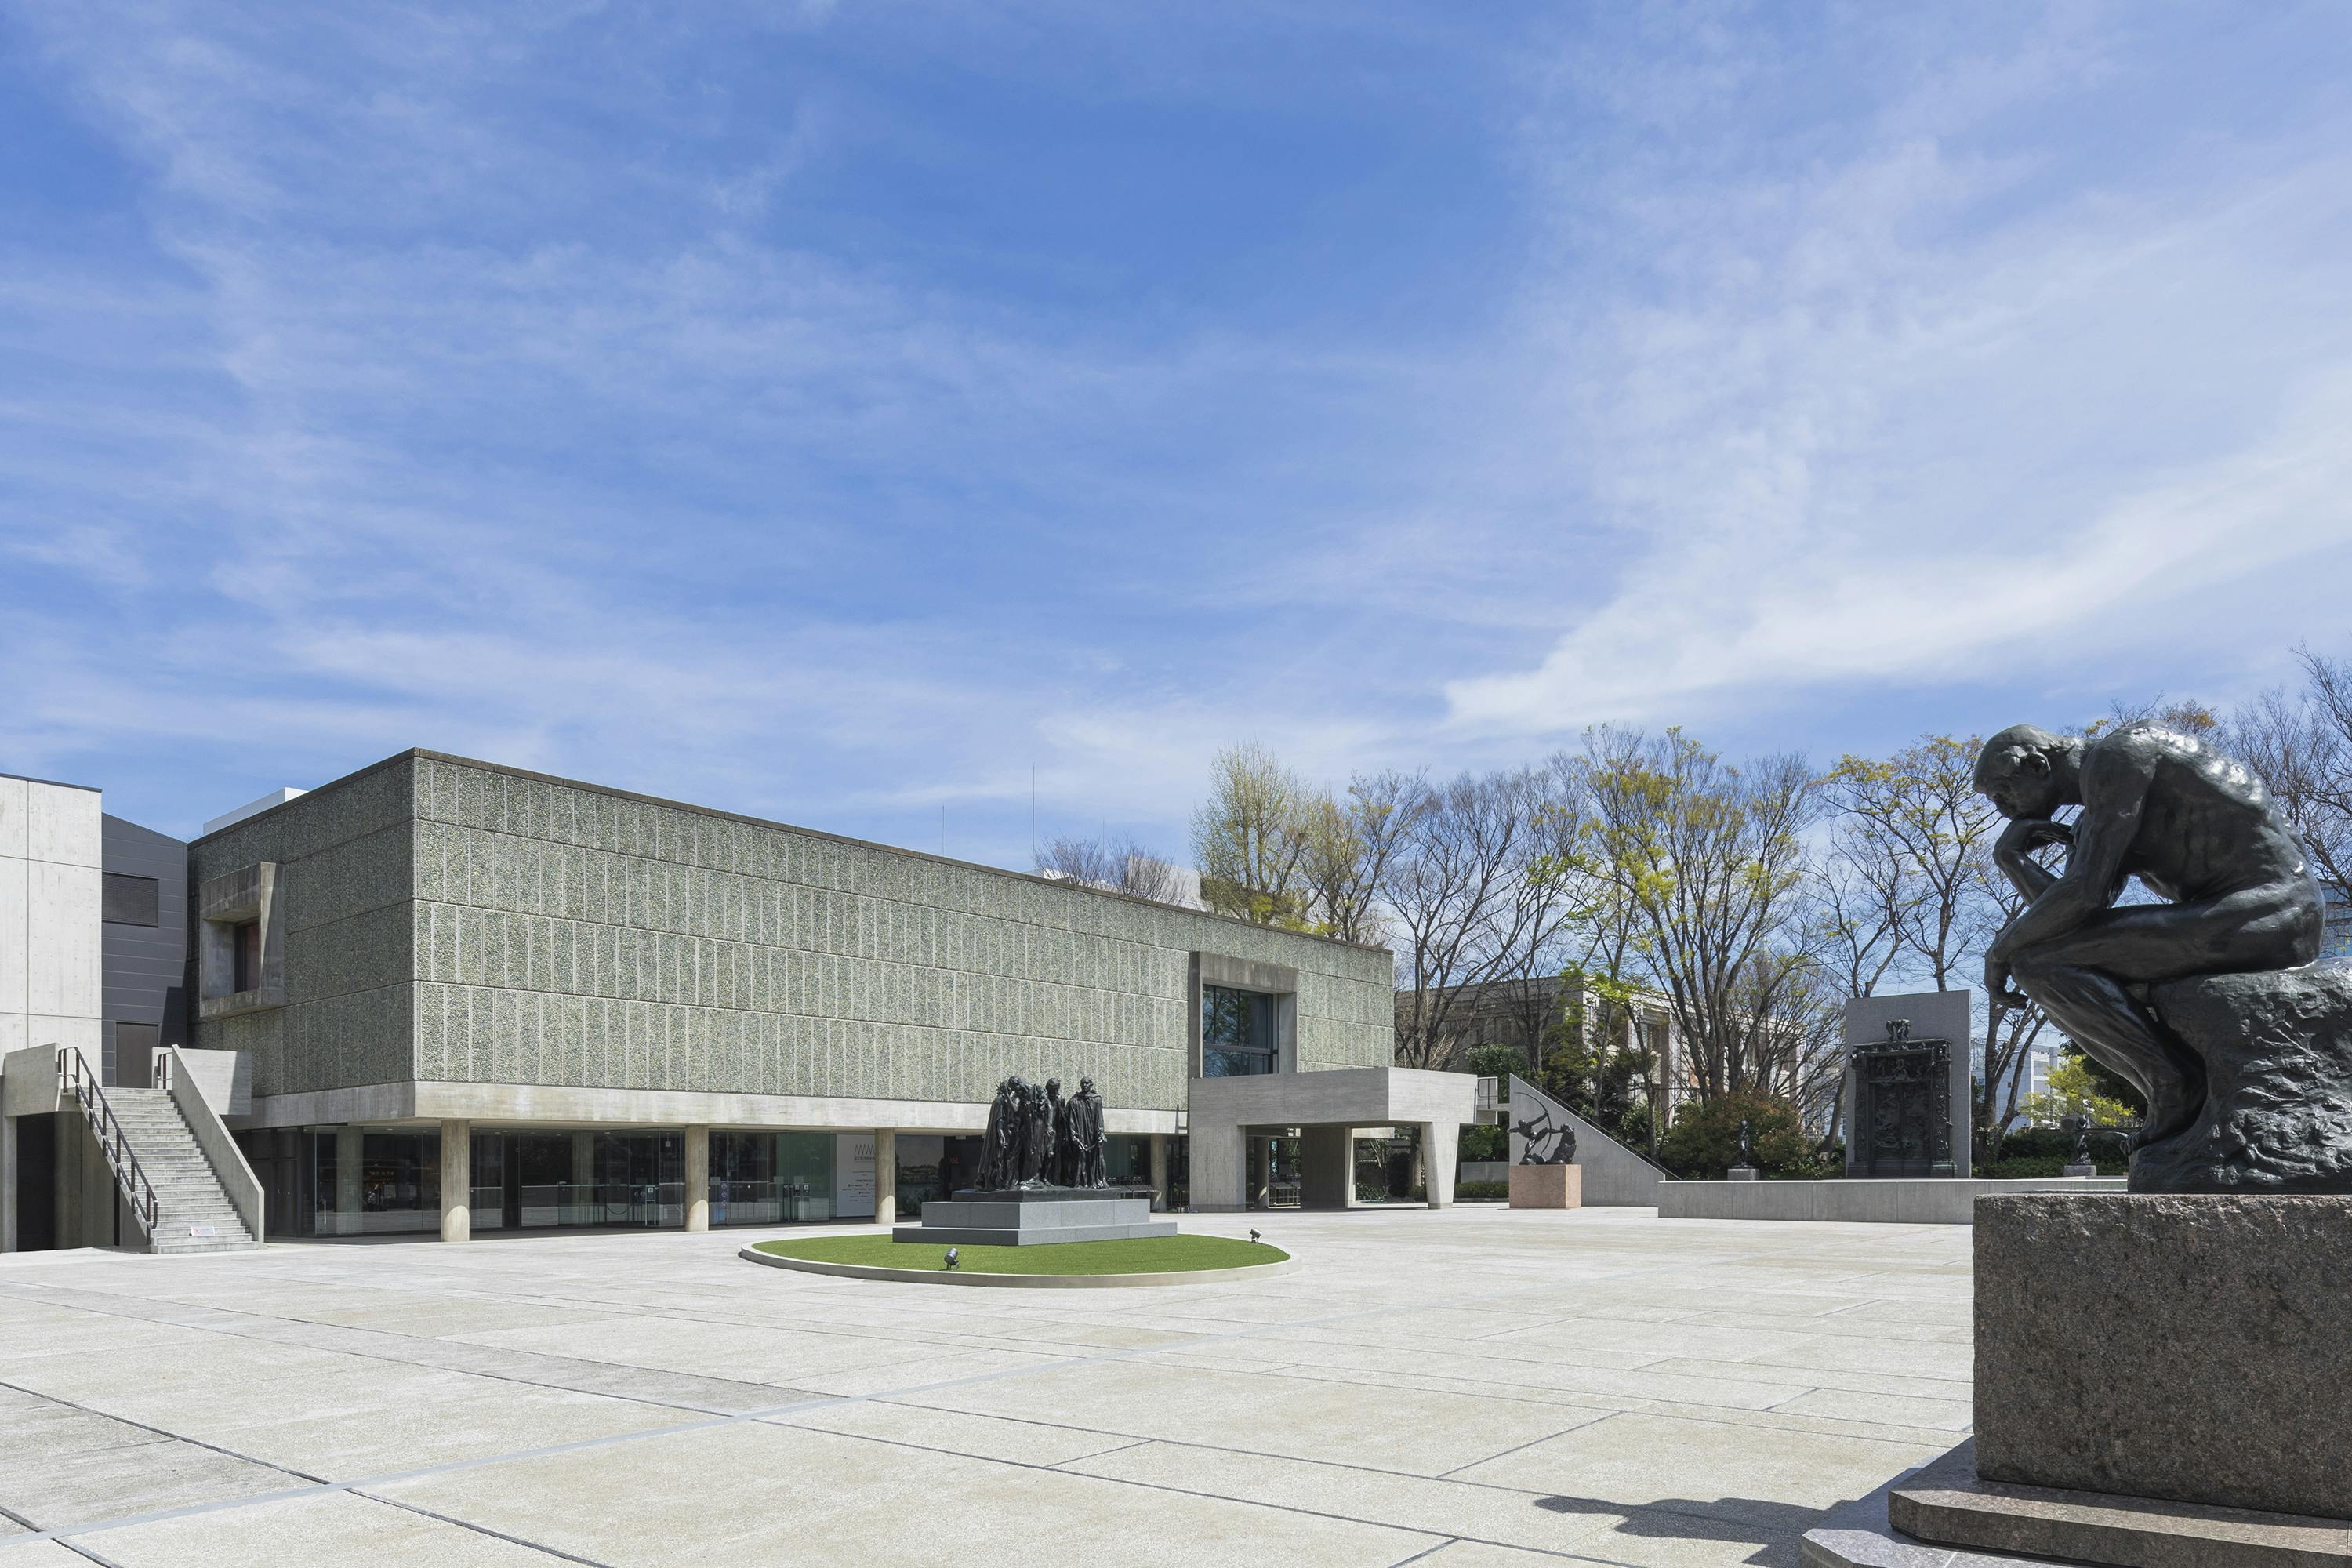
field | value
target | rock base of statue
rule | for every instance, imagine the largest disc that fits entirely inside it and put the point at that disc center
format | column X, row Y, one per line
column 2074, row 1169
column 1743, row 1174
column 2277, row 1049
column 1036, row 1216
column 1547, row 1186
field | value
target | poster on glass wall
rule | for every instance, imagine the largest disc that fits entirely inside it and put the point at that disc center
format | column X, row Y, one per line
column 852, row 1175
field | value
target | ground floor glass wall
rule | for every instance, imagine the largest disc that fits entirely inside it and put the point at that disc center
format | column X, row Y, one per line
column 771, row 1178
column 369, row 1183
column 538, row 1181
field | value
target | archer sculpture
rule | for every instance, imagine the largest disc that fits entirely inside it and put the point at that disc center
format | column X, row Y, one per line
column 2209, row 1004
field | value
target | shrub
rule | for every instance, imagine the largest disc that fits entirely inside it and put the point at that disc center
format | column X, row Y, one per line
column 1481, row 1192
column 1704, row 1141
column 1485, row 1141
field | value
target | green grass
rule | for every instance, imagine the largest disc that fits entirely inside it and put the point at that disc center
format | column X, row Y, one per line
column 1140, row 1254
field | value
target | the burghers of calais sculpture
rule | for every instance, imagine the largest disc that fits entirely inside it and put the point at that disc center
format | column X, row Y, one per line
column 1035, row 1139
column 2210, row 1003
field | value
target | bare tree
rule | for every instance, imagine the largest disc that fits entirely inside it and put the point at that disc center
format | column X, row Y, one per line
column 1453, row 876
column 1119, row 865
column 2301, row 745
column 1352, row 846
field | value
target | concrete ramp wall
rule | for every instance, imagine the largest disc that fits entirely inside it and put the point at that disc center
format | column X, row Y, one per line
column 1614, row 1175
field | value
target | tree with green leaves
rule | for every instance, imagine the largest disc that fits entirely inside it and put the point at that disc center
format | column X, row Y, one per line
column 1710, row 859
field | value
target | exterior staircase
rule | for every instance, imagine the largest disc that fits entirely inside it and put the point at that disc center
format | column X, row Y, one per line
column 193, row 1213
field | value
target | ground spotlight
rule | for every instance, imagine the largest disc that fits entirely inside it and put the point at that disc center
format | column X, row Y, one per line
column 1253, row 1236
column 954, row 1258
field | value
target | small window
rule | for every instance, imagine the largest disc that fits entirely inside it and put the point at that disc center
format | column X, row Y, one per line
column 245, row 941
column 131, row 900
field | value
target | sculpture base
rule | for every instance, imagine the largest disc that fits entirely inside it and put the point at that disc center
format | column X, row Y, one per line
column 2080, row 1171
column 2277, row 1117
column 1547, row 1186
column 1036, row 1216
column 1948, row 1503
column 2189, row 1348
column 1743, row 1174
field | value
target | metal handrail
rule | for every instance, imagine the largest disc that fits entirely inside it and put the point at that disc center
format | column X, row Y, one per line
column 120, row 1158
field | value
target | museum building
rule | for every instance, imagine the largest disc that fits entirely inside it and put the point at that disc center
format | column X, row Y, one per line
column 444, row 996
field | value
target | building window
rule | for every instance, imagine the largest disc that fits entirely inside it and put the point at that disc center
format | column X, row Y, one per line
column 1238, row 1031
column 245, row 946
column 131, row 900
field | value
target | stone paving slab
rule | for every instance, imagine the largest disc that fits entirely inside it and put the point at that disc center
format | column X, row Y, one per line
column 1461, row 1388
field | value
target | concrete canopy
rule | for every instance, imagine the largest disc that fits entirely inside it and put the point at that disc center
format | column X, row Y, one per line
column 1329, row 1103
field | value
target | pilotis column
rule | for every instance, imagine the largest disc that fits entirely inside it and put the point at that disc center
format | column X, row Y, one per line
column 457, row 1179
column 697, row 1178
column 885, row 1176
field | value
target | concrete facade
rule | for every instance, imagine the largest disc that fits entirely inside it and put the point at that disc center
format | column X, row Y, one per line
column 50, row 965
column 145, row 943
column 434, row 941
column 452, row 922
column 1224, row 1109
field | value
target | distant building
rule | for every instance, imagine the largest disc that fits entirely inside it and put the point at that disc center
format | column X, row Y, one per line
column 1521, row 1013
column 2335, row 941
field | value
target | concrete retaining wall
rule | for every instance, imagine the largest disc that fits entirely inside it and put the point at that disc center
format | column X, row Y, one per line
column 1892, row 1202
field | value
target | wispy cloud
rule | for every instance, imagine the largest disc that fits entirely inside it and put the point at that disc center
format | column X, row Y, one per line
column 839, row 414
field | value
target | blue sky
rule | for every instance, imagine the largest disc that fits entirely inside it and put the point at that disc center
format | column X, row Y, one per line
column 837, row 412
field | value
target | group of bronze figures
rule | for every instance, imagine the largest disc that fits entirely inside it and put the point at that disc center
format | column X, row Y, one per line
column 1037, row 1138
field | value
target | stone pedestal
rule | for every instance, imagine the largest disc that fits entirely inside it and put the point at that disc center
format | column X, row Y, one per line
column 1743, row 1174
column 1547, row 1186
column 2080, row 1171
column 1033, row 1218
column 2159, row 1383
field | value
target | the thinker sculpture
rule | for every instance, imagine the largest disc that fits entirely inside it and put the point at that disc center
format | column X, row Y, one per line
column 2209, row 1005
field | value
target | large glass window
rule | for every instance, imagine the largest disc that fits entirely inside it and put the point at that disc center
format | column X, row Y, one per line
column 933, row 1167
column 370, row 1183
column 1237, row 1034
column 771, row 1178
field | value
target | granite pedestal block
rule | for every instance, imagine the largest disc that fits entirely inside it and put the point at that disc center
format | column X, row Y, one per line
column 1036, row 1218
column 1547, row 1186
column 1743, row 1174
column 1948, row 1502
column 2194, row 1349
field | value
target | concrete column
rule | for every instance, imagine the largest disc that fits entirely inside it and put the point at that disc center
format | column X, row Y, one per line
column 457, row 1179
column 7, row 1183
column 697, row 1178
column 1441, row 1149
column 1218, row 1168
column 351, row 1154
column 583, row 1176
column 885, row 1176
column 1159, row 1170
column 1327, row 1172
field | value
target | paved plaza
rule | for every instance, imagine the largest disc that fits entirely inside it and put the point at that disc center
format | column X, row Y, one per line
column 1460, row 1389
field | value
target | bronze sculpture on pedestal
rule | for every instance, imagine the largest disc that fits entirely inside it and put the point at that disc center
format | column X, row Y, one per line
column 2209, row 1005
